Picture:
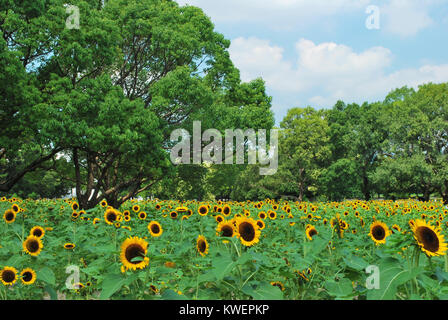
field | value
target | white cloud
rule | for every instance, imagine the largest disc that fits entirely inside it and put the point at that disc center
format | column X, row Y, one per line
column 406, row 17
column 258, row 58
column 398, row 17
column 326, row 72
column 275, row 14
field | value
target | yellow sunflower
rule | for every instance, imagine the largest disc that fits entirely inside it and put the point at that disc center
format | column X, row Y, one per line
column 278, row 284
column 262, row 215
column 75, row 215
column 8, row 275
column 32, row 245
column 202, row 245
column 38, row 232
column 379, row 232
column 310, row 232
column 261, row 224
column 173, row 214
column 133, row 253
column 429, row 238
column 69, row 246
column 226, row 210
column 111, row 215
column 181, row 209
column 28, row 276
column 75, row 206
column 225, row 229
column 155, row 229
column 15, row 208
column 203, row 210
column 247, row 231
column 9, row 216
column 396, row 228
column 142, row 215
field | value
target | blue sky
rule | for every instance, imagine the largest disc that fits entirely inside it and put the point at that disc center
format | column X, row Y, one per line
column 315, row 52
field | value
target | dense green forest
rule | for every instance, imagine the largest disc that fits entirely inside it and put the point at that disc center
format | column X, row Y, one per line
column 92, row 109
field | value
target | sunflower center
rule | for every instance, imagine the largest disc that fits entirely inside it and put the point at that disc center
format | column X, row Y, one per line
column 202, row 210
column 27, row 276
column 111, row 216
column 8, row 276
column 227, row 231
column 155, row 228
column 134, row 251
column 247, row 231
column 202, row 246
column 428, row 238
column 37, row 233
column 378, row 233
column 9, row 216
column 312, row 232
column 32, row 246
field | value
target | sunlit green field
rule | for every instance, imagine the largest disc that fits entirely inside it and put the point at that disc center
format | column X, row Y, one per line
column 213, row 250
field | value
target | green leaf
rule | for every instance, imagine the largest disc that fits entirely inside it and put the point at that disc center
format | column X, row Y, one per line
column 172, row 295
column 316, row 246
column 47, row 275
column 15, row 260
column 53, row 294
column 392, row 275
column 263, row 291
column 355, row 262
column 300, row 263
column 441, row 275
column 137, row 259
column 113, row 282
column 244, row 258
column 341, row 288
column 222, row 265
column 207, row 277
column 163, row 270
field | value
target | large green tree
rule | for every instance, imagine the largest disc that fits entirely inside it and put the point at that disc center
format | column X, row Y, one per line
column 357, row 135
column 304, row 151
column 107, row 95
column 418, row 140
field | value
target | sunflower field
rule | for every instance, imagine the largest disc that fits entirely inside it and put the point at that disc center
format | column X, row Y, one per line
column 151, row 249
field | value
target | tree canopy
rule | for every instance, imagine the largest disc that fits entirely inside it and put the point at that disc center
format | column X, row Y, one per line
column 92, row 109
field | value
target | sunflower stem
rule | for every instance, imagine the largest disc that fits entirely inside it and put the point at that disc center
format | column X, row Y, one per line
column 248, row 278
column 446, row 262
column 416, row 261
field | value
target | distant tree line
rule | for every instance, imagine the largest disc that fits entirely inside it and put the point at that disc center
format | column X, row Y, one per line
column 396, row 148
column 92, row 109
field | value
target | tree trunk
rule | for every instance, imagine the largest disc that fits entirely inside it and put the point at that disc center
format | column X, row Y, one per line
column 426, row 194
column 445, row 198
column 365, row 187
column 11, row 180
column 444, row 194
column 301, row 184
